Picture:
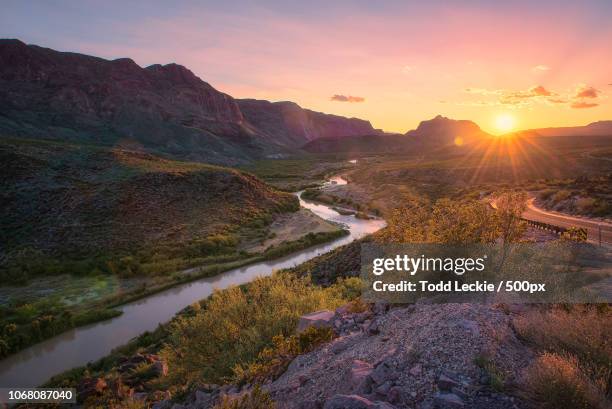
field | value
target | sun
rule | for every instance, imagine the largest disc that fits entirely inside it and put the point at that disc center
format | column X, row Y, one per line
column 505, row 123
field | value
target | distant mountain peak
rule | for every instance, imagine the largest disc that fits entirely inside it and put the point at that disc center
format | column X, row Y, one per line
column 441, row 130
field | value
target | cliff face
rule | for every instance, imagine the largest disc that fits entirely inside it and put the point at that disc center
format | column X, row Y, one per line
column 58, row 95
column 289, row 124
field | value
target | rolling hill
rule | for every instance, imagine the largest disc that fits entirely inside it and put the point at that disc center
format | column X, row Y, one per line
column 63, row 202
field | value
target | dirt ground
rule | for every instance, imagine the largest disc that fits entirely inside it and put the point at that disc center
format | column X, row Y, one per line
column 290, row 227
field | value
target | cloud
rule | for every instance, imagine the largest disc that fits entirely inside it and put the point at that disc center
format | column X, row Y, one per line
column 586, row 92
column 582, row 96
column 523, row 97
column 540, row 91
column 582, row 104
column 347, row 98
column 483, row 91
column 540, row 68
column 557, row 100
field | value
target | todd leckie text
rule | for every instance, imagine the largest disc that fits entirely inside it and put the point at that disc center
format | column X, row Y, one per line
column 456, row 286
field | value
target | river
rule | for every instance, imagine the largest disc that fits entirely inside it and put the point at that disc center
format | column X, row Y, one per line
column 35, row 365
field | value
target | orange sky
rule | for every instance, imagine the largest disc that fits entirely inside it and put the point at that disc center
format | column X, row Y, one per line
column 546, row 63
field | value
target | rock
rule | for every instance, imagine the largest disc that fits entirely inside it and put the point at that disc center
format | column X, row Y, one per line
column 89, row 387
column 373, row 328
column 318, row 319
column 446, row 383
column 460, row 392
column 383, row 372
column 359, row 378
column 310, row 404
column 384, row 388
column 470, row 326
column 140, row 396
column 416, row 370
column 447, row 401
column 348, row 402
column 163, row 404
column 380, row 307
column 395, row 394
column 362, row 316
column 354, row 402
column 160, row 368
column 203, row 399
column 343, row 309
column 339, row 345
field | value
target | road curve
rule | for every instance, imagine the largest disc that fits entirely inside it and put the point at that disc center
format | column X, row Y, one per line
column 593, row 227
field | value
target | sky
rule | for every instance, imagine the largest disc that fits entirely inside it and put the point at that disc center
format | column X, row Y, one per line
column 511, row 64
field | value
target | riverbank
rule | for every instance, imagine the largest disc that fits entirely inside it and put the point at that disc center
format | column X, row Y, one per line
column 144, row 314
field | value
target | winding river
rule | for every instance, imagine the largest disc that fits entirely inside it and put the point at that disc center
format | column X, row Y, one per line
column 36, row 364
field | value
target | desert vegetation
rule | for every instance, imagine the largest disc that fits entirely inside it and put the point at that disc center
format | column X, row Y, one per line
column 574, row 368
column 587, row 196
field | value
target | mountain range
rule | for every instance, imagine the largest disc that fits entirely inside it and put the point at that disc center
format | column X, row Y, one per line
column 168, row 110
column 162, row 108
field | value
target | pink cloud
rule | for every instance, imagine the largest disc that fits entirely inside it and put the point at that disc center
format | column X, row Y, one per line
column 581, row 104
column 587, row 92
column 347, row 98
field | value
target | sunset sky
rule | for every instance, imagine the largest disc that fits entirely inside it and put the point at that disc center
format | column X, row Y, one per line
column 520, row 64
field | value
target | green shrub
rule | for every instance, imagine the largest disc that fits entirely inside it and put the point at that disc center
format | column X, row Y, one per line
column 237, row 324
column 561, row 195
column 546, row 194
column 273, row 361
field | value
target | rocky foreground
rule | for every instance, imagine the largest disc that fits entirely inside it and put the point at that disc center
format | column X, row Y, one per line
column 416, row 356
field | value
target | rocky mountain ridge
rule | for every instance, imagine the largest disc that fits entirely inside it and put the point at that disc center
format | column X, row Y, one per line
column 161, row 108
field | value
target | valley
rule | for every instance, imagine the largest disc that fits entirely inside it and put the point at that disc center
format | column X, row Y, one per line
column 165, row 245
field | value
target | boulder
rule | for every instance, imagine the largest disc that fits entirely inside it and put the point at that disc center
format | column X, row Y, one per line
column 448, row 401
column 384, row 371
column 360, row 380
column 446, row 383
column 354, row 402
column 318, row 319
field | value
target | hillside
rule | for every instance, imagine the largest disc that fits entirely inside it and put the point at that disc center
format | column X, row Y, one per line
column 161, row 108
column 64, row 202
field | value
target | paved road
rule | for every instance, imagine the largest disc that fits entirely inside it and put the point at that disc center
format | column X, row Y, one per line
column 540, row 215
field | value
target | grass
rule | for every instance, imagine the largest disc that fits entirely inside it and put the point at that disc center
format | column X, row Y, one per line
column 497, row 379
column 575, row 365
column 272, row 362
column 557, row 382
column 256, row 399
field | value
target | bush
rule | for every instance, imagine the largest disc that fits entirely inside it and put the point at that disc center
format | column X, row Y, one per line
column 576, row 366
column 561, row 195
column 273, row 361
column 237, row 324
column 546, row 194
column 585, row 205
column 557, row 382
